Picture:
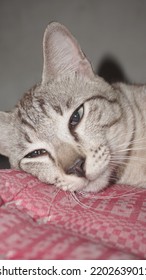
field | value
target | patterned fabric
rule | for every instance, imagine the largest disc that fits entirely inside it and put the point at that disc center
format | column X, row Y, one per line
column 38, row 221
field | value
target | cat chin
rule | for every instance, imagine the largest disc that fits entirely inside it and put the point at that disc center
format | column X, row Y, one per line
column 98, row 184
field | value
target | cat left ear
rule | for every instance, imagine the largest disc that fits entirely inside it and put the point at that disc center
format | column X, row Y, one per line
column 62, row 54
column 5, row 133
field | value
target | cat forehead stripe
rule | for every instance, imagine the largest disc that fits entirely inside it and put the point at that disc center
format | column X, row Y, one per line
column 41, row 103
column 27, row 138
column 24, row 121
column 57, row 109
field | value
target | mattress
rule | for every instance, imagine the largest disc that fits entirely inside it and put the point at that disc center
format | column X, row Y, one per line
column 39, row 221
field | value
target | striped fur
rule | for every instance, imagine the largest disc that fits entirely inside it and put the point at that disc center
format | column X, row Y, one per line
column 106, row 145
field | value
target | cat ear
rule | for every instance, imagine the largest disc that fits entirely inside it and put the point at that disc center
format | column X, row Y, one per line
column 5, row 133
column 62, row 54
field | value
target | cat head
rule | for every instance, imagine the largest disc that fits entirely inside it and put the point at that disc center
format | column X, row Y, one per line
column 62, row 130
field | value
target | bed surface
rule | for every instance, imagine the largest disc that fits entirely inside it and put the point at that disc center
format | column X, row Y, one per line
column 38, row 221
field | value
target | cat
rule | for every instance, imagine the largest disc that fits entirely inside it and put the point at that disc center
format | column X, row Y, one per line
column 73, row 129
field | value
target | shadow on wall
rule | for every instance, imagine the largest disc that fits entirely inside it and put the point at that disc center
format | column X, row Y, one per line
column 109, row 69
column 4, row 162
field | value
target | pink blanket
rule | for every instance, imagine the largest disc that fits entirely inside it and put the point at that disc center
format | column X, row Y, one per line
column 38, row 221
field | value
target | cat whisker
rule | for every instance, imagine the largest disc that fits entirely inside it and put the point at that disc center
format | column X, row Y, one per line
column 134, row 158
column 132, row 149
column 69, row 196
column 133, row 191
column 74, row 196
column 114, row 162
column 52, row 201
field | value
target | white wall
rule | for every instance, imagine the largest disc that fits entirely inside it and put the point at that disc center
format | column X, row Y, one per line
column 103, row 27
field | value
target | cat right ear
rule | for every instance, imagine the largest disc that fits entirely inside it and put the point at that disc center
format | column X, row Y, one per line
column 5, row 133
column 62, row 54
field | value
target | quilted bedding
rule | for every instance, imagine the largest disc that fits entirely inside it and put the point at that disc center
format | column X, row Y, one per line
column 38, row 221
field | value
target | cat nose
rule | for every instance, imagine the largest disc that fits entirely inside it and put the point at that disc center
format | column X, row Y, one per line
column 77, row 168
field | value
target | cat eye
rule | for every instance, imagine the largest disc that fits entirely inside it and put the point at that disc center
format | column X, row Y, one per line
column 76, row 116
column 36, row 153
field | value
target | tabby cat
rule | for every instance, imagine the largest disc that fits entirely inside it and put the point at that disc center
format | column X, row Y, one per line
column 73, row 129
